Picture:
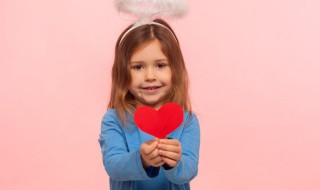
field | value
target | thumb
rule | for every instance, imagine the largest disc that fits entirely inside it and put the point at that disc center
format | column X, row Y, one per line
column 151, row 146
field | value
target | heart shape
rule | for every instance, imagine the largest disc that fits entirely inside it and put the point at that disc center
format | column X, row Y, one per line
column 159, row 123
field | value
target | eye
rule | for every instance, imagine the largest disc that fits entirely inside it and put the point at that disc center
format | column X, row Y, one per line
column 161, row 65
column 137, row 67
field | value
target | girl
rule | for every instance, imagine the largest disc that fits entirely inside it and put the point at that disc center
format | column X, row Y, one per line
column 148, row 70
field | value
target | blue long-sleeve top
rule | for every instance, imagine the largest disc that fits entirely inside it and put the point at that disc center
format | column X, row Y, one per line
column 120, row 146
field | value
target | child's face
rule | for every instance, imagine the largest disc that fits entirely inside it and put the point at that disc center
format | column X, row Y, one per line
column 150, row 75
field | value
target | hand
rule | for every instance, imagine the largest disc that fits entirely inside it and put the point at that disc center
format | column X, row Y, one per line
column 170, row 151
column 150, row 154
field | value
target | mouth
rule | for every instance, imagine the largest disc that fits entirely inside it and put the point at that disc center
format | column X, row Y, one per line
column 151, row 87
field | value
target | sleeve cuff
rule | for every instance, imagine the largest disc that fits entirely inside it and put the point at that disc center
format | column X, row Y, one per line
column 171, row 171
column 152, row 171
column 147, row 173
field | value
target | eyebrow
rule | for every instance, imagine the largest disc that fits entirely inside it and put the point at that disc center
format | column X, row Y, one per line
column 158, row 60
column 141, row 62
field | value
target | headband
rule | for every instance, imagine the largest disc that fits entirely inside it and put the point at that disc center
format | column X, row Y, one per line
column 145, row 10
column 140, row 23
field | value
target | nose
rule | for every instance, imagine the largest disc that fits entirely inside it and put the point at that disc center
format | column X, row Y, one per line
column 150, row 75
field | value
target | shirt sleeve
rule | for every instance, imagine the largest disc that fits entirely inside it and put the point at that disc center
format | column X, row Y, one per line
column 120, row 164
column 187, row 167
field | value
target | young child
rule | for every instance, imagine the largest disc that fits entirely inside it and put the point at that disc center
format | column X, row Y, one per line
column 148, row 70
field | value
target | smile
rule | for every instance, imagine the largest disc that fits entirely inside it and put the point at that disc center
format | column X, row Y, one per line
column 151, row 87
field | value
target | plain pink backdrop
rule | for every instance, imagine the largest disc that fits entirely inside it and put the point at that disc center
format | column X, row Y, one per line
column 255, row 83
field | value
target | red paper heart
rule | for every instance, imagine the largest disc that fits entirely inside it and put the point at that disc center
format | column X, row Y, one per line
column 159, row 123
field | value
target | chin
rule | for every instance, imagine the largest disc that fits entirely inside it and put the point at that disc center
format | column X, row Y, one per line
column 150, row 103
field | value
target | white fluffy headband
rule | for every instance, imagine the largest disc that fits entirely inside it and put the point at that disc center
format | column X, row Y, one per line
column 145, row 10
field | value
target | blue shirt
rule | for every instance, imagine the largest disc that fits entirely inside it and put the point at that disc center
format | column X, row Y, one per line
column 120, row 146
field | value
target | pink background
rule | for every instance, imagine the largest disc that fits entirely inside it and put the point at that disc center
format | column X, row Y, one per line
column 255, row 83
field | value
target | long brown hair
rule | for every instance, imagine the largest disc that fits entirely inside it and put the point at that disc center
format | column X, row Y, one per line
column 121, row 99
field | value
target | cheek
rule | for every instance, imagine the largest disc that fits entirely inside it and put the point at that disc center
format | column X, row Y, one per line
column 169, row 80
column 135, row 78
column 169, row 76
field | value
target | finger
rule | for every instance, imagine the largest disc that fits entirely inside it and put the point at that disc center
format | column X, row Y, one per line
column 152, row 141
column 155, row 160
column 170, row 162
column 159, row 164
column 168, row 154
column 153, row 154
column 172, row 148
column 169, row 141
column 148, row 147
